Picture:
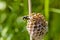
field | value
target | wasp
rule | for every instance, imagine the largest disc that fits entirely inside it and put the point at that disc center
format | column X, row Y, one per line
column 26, row 18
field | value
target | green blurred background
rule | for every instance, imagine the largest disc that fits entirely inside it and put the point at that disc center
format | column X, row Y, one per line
column 13, row 27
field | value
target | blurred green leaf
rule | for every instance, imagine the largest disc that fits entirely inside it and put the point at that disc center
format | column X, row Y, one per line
column 4, row 31
column 55, row 10
column 3, row 17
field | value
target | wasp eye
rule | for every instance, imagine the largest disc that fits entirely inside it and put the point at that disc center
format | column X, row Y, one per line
column 25, row 18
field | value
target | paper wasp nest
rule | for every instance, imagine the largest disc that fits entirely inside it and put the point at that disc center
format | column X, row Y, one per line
column 37, row 26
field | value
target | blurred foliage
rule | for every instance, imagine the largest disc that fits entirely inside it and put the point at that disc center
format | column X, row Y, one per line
column 13, row 27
